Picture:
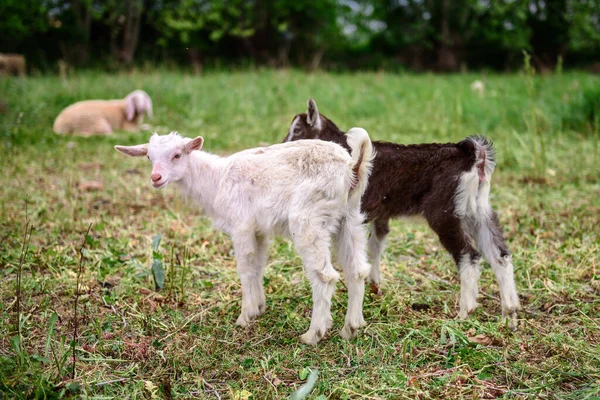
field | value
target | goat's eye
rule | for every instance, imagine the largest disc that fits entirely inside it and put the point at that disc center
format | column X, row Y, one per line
column 177, row 156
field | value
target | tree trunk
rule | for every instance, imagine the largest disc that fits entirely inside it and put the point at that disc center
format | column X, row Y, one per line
column 83, row 19
column 196, row 60
column 316, row 59
column 446, row 56
column 131, row 33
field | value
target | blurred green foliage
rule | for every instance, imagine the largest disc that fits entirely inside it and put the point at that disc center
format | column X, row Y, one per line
column 440, row 35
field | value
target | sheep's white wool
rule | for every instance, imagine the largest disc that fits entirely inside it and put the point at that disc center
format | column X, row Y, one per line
column 93, row 117
column 302, row 190
column 478, row 86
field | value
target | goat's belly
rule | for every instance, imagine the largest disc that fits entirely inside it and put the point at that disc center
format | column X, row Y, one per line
column 269, row 225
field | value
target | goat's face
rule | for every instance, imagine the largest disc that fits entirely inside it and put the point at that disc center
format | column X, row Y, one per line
column 137, row 103
column 169, row 155
column 307, row 125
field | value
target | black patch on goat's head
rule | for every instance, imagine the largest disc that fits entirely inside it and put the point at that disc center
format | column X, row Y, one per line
column 313, row 125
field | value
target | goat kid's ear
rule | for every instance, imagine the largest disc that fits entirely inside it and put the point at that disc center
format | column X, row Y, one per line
column 193, row 144
column 313, row 117
column 133, row 151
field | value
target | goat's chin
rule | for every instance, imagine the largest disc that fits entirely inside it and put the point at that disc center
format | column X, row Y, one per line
column 160, row 185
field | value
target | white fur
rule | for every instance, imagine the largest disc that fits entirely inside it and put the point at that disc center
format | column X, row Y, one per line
column 300, row 190
column 478, row 87
column 473, row 208
column 103, row 117
column 469, row 271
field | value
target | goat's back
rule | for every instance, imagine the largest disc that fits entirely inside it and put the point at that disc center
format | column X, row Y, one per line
column 294, row 162
column 271, row 182
column 406, row 179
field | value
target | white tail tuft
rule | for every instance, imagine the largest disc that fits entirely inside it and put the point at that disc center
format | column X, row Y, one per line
column 362, row 161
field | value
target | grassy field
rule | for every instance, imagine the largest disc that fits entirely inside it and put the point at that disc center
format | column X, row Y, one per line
column 181, row 342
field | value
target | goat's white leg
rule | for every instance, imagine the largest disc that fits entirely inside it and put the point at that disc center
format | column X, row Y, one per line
column 376, row 244
column 313, row 245
column 490, row 241
column 262, row 253
column 245, row 248
column 456, row 238
column 351, row 254
column 503, row 269
column 470, row 271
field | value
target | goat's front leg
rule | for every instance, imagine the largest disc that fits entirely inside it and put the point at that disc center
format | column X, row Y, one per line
column 376, row 243
column 260, row 261
column 313, row 245
column 253, row 296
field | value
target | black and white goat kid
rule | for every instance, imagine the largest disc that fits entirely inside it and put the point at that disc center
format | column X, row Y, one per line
column 449, row 185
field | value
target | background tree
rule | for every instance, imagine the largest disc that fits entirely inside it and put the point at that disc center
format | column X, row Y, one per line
column 439, row 35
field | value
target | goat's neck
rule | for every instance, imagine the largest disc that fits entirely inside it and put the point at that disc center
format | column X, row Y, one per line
column 333, row 134
column 201, row 183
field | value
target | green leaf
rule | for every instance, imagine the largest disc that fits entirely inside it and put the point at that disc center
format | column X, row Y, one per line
column 15, row 342
column 51, row 324
column 305, row 389
column 216, row 35
column 159, row 274
column 304, row 373
column 156, row 241
column 39, row 358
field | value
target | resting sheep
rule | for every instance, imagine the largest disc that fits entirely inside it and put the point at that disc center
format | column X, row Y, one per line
column 305, row 190
column 449, row 185
column 92, row 117
column 12, row 64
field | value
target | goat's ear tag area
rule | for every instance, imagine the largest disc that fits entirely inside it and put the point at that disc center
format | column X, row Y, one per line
column 133, row 151
column 194, row 144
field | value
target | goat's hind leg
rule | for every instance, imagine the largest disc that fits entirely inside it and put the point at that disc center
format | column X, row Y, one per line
column 376, row 243
column 351, row 254
column 250, row 271
column 313, row 244
column 457, row 241
column 491, row 243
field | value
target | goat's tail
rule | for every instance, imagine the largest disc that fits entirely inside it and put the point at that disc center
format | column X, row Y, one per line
column 472, row 194
column 485, row 156
column 362, row 153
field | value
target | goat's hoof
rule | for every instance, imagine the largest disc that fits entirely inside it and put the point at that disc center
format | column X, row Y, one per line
column 329, row 323
column 509, row 317
column 348, row 331
column 243, row 321
column 261, row 309
column 311, row 338
column 465, row 310
column 375, row 289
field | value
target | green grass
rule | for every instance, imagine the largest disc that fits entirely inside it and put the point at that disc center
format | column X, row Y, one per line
column 181, row 342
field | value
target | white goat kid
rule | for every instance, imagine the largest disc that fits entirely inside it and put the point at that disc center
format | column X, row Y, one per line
column 308, row 190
